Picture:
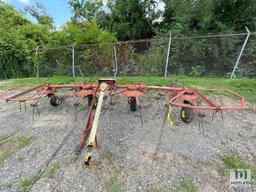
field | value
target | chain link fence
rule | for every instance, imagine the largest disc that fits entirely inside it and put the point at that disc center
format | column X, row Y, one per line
column 209, row 56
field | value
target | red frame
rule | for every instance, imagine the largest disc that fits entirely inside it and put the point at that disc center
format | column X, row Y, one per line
column 191, row 95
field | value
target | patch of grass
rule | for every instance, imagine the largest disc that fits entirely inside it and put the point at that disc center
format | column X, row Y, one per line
column 74, row 159
column 166, row 189
column 115, row 184
column 4, row 138
column 188, row 186
column 108, row 155
column 244, row 86
column 232, row 161
column 51, row 171
column 25, row 183
column 23, row 142
column 13, row 146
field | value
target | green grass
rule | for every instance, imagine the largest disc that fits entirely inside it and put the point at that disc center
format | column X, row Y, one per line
column 114, row 184
column 13, row 146
column 4, row 138
column 74, row 159
column 51, row 171
column 232, row 161
column 108, row 155
column 25, row 183
column 244, row 86
column 187, row 185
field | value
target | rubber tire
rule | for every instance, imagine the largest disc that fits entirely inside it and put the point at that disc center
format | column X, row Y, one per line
column 90, row 99
column 187, row 114
column 133, row 104
column 55, row 101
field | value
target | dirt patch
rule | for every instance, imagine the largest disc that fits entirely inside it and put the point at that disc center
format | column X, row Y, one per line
column 134, row 156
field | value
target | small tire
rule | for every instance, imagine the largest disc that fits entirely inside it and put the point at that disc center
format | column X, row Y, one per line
column 133, row 104
column 55, row 101
column 187, row 114
column 90, row 99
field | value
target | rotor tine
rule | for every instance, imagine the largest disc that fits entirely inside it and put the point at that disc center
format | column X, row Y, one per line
column 25, row 106
column 200, row 123
column 158, row 104
column 20, row 106
column 75, row 113
column 38, row 112
column 163, row 112
column 33, row 112
column 141, row 117
column 213, row 115
column 222, row 116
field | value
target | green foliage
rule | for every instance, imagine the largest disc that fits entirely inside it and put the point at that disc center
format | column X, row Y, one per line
column 94, row 22
column 51, row 171
column 114, row 184
column 128, row 19
column 85, row 10
column 11, row 146
column 19, row 38
column 38, row 11
column 26, row 183
column 197, row 71
column 188, row 186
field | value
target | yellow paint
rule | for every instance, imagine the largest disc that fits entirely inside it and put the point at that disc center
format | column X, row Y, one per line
column 169, row 119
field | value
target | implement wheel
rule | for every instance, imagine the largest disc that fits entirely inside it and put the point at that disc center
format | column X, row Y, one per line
column 55, row 101
column 90, row 99
column 187, row 114
column 133, row 103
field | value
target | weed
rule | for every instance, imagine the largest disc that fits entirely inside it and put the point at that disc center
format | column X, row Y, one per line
column 74, row 159
column 26, row 183
column 108, row 155
column 14, row 145
column 23, row 142
column 114, row 185
column 52, row 170
column 188, row 185
column 4, row 139
column 165, row 189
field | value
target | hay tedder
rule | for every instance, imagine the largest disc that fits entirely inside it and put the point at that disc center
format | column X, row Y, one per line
column 100, row 94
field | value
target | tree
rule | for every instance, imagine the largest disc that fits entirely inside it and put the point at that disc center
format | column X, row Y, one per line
column 132, row 19
column 85, row 10
column 38, row 11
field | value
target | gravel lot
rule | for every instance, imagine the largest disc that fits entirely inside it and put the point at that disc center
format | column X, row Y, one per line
column 134, row 156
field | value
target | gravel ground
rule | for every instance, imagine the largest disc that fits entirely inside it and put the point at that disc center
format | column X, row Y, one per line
column 133, row 156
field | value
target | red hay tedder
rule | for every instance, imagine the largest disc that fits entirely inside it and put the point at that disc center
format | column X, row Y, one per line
column 188, row 99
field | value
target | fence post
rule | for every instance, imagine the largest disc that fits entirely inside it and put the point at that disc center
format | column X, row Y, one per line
column 168, row 55
column 73, row 60
column 241, row 52
column 37, row 63
column 116, row 65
